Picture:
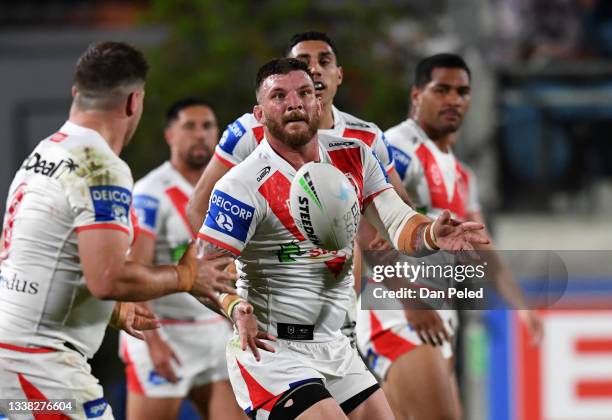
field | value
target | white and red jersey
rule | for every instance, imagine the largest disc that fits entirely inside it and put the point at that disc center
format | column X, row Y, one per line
column 435, row 180
column 160, row 202
column 242, row 137
column 289, row 282
column 72, row 181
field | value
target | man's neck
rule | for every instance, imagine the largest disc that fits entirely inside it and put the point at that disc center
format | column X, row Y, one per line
column 192, row 175
column 327, row 117
column 442, row 141
column 100, row 122
column 296, row 157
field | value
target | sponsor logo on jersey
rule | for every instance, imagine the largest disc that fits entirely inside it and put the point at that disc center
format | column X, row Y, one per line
column 402, row 161
column 20, row 286
column 262, row 173
column 95, row 408
column 229, row 215
column 341, row 143
column 304, row 208
column 37, row 164
column 357, row 124
column 288, row 251
column 111, row 203
column 146, row 208
column 231, row 135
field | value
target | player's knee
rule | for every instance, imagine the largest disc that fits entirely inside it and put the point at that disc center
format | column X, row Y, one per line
column 295, row 401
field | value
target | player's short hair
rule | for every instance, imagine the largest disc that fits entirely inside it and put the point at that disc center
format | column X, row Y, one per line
column 279, row 66
column 310, row 36
column 425, row 67
column 105, row 74
column 188, row 101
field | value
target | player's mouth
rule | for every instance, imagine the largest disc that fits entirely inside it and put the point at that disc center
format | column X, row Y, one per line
column 451, row 114
column 295, row 118
column 319, row 87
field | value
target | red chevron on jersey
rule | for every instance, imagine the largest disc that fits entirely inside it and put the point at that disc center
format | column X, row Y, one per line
column 437, row 189
column 348, row 160
column 385, row 342
column 276, row 192
column 365, row 136
column 336, row 265
column 179, row 200
column 259, row 396
column 258, row 132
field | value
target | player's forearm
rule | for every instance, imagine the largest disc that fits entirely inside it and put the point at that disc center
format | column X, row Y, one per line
column 136, row 282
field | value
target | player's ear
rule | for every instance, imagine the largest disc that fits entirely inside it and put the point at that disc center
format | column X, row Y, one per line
column 131, row 104
column 340, row 75
column 415, row 93
column 73, row 91
column 258, row 114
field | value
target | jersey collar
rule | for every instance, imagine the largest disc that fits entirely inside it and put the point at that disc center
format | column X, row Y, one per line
column 73, row 129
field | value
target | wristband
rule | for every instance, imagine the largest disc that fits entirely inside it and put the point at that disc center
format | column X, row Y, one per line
column 228, row 302
column 185, row 278
column 429, row 238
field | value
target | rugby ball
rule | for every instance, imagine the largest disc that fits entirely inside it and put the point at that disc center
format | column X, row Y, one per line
column 324, row 206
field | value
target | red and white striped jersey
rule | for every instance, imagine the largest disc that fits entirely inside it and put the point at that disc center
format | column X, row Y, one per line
column 160, row 202
column 72, row 181
column 287, row 279
column 242, row 137
column 435, row 180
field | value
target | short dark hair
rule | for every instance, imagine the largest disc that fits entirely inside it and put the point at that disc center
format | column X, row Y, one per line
column 279, row 66
column 425, row 67
column 106, row 66
column 185, row 102
column 310, row 36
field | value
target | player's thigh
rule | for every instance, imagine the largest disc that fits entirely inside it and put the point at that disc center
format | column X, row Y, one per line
column 375, row 407
column 140, row 407
column 418, row 384
column 322, row 410
column 216, row 400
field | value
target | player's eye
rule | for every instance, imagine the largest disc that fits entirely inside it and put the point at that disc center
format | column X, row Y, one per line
column 189, row 126
column 208, row 125
column 324, row 61
column 278, row 95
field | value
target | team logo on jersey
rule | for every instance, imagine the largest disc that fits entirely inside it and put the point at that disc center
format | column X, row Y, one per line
column 262, row 173
column 288, row 251
column 232, row 134
column 95, row 408
column 37, row 164
column 111, row 203
column 229, row 215
column 436, row 176
column 146, row 208
column 402, row 161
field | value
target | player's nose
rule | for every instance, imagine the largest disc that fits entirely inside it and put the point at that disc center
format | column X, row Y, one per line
column 294, row 101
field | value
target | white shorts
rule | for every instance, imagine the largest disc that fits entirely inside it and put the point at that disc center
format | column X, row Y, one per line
column 384, row 335
column 258, row 385
column 200, row 347
column 48, row 374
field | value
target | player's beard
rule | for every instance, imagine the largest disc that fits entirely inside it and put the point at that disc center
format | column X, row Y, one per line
column 294, row 139
column 196, row 161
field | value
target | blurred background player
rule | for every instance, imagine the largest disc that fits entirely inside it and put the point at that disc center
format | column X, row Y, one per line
column 186, row 356
column 311, row 371
column 65, row 237
column 419, row 382
column 241, row 137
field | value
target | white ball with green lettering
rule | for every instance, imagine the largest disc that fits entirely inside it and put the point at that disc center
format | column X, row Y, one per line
column 324, row 206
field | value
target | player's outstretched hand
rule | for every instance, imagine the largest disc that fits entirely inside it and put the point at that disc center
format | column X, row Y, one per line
column 207, row 274
column 249, row 333
column 133, row 318
column 162, row 355
column 428, row 325
column 452, row 235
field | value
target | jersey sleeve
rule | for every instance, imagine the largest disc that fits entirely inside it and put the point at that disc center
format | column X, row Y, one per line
column 148, row 208
column 239, row 139
column 375, row 178
column 101, row 199
column 382, row 150
column 232, row 216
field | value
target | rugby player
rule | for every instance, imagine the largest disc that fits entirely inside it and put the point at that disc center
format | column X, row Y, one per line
column 179, row 360
column 241, row 137
column 65, row 237
column 419, row 381
column 294, row 307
